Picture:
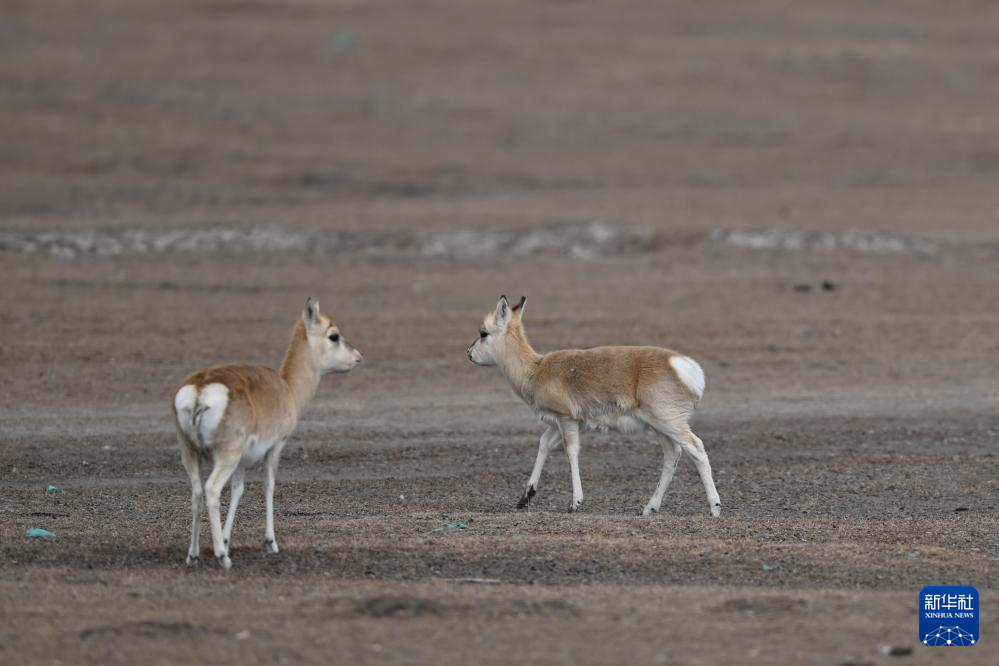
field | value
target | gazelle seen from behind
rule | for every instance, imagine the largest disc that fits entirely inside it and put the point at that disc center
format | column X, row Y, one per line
column 625, row 388
column 236, row 415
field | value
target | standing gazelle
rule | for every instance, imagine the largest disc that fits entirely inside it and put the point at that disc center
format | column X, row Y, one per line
column 238, row 414
column 626, row 388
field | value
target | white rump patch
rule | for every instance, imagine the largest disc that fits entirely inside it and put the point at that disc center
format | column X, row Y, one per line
column 199, row 413
column 185, row 402
column 212, row 402
column 690, row 373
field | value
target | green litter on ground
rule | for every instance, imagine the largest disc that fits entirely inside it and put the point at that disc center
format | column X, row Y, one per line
column 447, row 527
column 53, row 490
column 39, row 533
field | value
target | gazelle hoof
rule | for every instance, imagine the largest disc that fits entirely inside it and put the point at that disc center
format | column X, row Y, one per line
column 192, row 560
column 270, row 546
column 575, row 506
column 648, row 511
column 525, row 499
column 224, row 562
column 716, row 510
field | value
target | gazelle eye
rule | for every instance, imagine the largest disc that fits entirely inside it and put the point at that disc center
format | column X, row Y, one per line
column 334, row 337
column 483, row 335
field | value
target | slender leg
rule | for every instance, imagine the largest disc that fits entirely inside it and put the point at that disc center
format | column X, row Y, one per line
column 671, row 453
column 693, row 445
column 549, row 440
column 225, row 465
column 271, row 466
column 191, row 463
column 235, row 493
column 570, row 433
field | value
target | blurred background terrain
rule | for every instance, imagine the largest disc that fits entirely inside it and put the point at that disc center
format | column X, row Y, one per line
column 803, row 196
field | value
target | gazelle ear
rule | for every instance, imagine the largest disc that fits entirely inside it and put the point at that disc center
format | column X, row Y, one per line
column 519, row 307
column 311, row 314
column 502, row 316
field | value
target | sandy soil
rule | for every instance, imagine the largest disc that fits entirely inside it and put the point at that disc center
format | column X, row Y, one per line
column 802, row 198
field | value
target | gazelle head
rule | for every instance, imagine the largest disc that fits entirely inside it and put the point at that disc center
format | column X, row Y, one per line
column 327, row 346
column 492, row 343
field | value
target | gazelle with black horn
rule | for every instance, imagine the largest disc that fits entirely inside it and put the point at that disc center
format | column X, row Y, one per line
column 625, row 388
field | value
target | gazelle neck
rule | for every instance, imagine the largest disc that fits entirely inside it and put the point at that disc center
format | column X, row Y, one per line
column 520, row 361
column 300, row 370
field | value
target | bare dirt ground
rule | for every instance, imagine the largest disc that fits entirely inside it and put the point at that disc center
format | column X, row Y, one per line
column 177, row 177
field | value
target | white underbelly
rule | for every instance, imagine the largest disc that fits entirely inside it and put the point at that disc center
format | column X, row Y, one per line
column 624, row 423
column 256, row 449
column 551, row 418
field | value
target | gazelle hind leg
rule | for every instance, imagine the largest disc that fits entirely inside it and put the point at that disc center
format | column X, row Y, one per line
column 225, row 465
column 549, row 440
column 693, row 445
column 189, row 456
column 235, row 493
column 671, row 454
column 681, row 434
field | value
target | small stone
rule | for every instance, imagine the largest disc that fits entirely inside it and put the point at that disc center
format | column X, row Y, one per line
column 895, row 650
column 342, row 42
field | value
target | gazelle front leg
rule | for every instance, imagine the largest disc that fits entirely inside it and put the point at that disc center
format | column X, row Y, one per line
column 235, row 493
column 570, row 434
column 191, row 462
column 271, row 465
column 550, row 439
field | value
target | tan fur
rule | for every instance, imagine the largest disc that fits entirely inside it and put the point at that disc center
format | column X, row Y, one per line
column 627, row 388
column 263, row 402
column 260, row 413
column 573, row 382
column 617, row 379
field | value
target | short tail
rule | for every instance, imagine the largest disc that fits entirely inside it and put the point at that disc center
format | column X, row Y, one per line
column 690, row 373
column 196, row 416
